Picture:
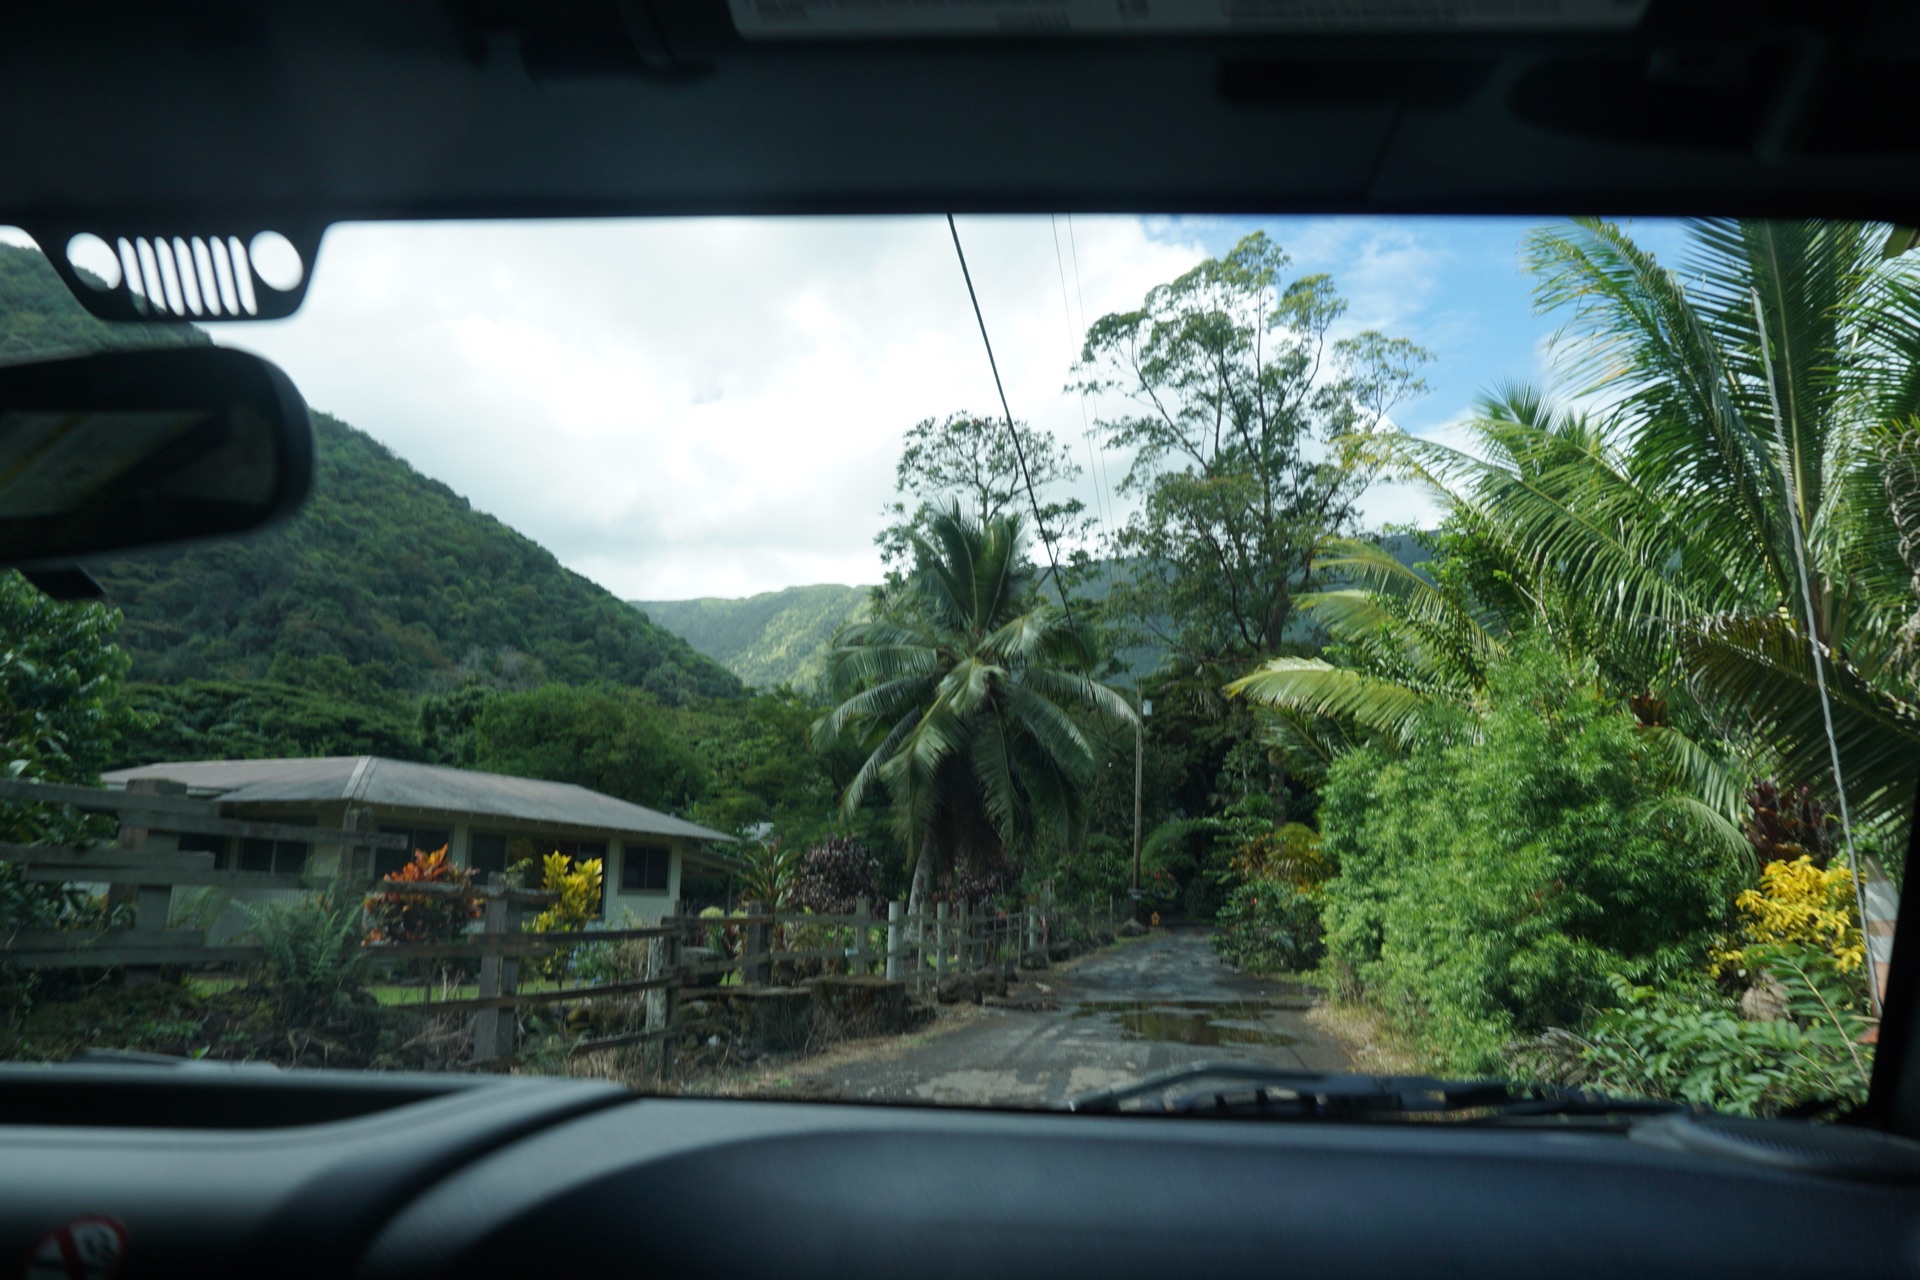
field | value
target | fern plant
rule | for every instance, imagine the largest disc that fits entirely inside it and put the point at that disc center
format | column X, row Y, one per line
column 314, row 964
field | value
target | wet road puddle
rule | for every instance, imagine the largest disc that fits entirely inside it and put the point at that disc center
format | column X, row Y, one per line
column 1198, row 1022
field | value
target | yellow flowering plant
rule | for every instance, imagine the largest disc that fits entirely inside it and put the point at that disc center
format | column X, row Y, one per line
column 1798, row 903
column 578, row 886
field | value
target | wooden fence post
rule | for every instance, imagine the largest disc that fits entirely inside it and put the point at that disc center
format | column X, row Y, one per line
column 754, row 966
column 894, row 966
column 152, row 904
column 494, row 1027
column 861, row 952
column 940, row 915
column 962, row 937
column 663, row 1003
column 356, row 860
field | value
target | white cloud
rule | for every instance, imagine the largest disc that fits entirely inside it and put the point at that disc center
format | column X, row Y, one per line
column 694, row 407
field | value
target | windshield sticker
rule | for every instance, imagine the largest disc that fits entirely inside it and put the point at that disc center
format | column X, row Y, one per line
column 84, row 1249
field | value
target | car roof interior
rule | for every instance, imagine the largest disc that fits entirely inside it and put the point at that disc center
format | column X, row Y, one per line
column 284, row 112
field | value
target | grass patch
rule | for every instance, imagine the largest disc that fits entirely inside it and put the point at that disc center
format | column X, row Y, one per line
column 1367, row 1036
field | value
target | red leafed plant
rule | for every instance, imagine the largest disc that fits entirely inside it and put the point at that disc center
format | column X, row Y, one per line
column 394, row 915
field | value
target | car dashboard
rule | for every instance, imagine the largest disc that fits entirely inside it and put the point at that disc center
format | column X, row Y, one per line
column 253, row 1171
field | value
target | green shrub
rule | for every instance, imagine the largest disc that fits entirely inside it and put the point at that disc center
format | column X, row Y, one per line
column 315, row 966
column 1269, row 926
column 1517, row 853
column 1696, row 1046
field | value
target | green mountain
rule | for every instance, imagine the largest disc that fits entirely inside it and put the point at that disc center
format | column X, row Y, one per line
column 387, row 584
column 775, row 638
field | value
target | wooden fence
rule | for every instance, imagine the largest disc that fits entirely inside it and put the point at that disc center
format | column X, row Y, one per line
column 759, row 948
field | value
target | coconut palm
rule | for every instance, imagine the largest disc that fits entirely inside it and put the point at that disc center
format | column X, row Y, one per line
column 1749, row 401
column 974, row 699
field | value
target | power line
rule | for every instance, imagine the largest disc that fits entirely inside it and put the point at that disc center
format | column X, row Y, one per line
column 1106, row 476
column 1796, row 511
column 1104, row 482
column 1100, row 504
column 1020, row 454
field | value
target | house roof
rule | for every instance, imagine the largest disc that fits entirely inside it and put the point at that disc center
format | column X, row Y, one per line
column 399, row 784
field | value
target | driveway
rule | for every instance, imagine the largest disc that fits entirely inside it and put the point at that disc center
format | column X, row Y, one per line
column 1107, row 1018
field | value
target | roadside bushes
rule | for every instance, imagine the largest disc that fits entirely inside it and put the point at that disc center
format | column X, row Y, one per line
column 1515, row 856
column 1700, row 1046
column 835, row 875
column 1270, row 922
column 1795, row 1035
column 1269, row 926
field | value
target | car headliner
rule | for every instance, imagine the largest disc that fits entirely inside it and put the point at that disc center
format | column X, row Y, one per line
column 144, row 118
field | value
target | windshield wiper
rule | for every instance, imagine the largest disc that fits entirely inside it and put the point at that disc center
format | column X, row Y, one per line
column 1273, row 1093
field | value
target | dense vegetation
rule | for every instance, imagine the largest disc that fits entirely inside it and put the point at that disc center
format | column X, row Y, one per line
column 394, row 574
column 768, row 640
column 1546, row 791
column 1553, row 761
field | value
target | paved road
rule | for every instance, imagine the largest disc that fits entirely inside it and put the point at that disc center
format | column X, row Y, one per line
column 1102, row 1020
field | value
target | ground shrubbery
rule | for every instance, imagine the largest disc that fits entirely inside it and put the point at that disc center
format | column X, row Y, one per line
column 1497, row 874
column 1269, row 926
column 1778, row 1020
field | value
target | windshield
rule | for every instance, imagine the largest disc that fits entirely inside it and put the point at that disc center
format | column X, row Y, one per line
column 986, row 662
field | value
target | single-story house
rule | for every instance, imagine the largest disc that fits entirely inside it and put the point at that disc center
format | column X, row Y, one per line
column 485, row 820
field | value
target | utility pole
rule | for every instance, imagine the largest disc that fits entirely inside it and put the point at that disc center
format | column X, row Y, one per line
column 1139, row 756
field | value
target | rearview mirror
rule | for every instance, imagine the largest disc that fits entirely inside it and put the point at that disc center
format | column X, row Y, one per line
column 130, row 449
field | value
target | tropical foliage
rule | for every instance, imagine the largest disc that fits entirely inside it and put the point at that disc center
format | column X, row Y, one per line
column 315, row 966
column 768, row 874
column 1509, row 857
column 972, row 698
column 394, row 915
column 1751, row 401
column 577, row 888
column 1714, row 538
column 1270, row 926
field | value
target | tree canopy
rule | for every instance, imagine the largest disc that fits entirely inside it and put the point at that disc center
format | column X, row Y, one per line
column 1241, row 403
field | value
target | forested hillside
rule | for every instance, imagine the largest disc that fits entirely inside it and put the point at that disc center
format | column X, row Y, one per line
column 388, row 584
column 774, row 638
column 398, row 576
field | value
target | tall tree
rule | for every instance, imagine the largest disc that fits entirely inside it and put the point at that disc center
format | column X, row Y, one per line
column 974, row 464
column 969, row 698
column 1241, row 399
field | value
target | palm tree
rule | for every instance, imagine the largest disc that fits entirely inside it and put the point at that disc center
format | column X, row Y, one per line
column 971, row 699
column 1750, row 402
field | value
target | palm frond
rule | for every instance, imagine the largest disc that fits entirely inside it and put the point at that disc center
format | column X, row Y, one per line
column 1312, row 687
column 1763, row 663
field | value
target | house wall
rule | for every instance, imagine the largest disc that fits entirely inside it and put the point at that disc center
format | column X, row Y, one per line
column 639, row 908
column 643, row 908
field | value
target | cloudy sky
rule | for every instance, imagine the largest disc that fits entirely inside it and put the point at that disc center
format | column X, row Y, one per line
column 713, row 407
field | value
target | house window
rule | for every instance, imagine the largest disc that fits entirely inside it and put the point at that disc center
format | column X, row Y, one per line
column 645, row 869
column 422, row 839
column 487, row 853
column 281, row 857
